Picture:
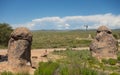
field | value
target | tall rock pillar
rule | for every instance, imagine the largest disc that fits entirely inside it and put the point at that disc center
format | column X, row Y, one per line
column 19, row 47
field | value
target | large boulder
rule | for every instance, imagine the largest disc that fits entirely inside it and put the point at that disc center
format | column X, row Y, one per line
column 19, row 47
column 104, row 45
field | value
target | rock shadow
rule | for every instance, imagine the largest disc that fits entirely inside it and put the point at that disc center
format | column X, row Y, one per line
column 3, row 58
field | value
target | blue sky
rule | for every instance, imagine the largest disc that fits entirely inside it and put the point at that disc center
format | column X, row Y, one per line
column 60, row 14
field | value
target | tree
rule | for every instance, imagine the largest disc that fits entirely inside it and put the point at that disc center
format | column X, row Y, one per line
column 5, row 31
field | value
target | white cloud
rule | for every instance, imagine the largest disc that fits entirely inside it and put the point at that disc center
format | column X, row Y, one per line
column 73, row 22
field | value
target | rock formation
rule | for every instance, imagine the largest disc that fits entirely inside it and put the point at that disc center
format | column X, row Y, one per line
column 19, row 47
column 104, row 44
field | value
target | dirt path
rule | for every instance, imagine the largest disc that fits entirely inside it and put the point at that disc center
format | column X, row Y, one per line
column 40, row 51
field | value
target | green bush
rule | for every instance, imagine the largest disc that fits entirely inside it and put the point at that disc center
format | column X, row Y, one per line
column 93, row 60
column 114, row 73
column 116, row 36
column 118, row 58
column 112, row 61
column 5, row 31
column 105, row 61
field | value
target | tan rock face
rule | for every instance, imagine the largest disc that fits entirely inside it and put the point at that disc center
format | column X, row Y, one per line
column 19, row 47
column 104, row 44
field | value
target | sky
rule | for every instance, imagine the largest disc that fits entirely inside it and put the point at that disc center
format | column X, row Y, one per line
column 60, row 14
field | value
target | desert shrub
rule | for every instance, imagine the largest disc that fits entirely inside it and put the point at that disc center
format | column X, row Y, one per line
column 112, row 61
column 93, row 60
column 118, row 58
column 118, row 54
column 105, row 61
column 116, row 36
column 46, row 68
column 114, row 73
column 6, row 73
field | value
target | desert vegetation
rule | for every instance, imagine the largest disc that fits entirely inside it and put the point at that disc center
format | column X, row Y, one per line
column 54, row 38
column 64, row 39
column 58, row 39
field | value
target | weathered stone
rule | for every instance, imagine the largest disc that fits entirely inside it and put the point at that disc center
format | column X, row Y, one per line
column 104, row 44
column 19, row 47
